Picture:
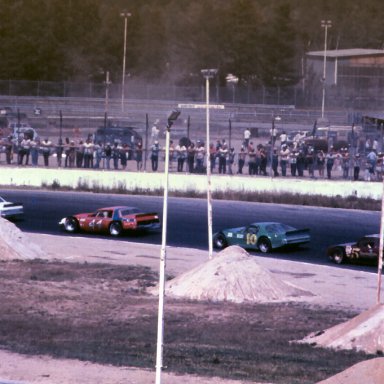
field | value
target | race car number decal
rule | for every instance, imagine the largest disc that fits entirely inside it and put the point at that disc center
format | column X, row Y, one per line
column 251, row 239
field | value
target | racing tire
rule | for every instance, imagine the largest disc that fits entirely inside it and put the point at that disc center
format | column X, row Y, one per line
column 115, row 229
column 219, row 241
column 71, row 225
column 337, row 255
column 264, row 245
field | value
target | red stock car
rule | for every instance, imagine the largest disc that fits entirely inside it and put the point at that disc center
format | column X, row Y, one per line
column 111, row 220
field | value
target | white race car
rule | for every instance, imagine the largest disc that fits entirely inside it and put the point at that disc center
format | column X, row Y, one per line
column 10, row 210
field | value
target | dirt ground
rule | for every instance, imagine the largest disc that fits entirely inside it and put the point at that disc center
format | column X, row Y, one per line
column 82, row 314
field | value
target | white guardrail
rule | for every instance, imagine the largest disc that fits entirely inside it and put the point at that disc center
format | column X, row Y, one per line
column 181, row 182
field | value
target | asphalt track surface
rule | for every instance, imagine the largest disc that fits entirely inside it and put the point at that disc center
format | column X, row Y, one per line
column 187, row 219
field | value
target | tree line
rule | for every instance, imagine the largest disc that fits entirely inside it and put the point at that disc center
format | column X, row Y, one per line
column 259, row 41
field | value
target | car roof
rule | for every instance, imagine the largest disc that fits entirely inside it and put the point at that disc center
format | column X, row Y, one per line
column 265, row 223
column 118, row 207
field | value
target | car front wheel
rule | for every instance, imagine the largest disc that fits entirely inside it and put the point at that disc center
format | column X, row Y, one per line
column 337, row 255
column 264, row 245
column 71, row 225
column 115, row 229
column 219, row 241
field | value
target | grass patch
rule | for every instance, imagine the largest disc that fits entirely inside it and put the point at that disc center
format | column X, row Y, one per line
column 350, row 202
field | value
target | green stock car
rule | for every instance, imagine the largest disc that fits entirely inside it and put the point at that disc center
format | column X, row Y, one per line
column 264, row 236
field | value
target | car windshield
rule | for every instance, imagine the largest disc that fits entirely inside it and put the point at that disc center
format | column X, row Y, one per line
column 278, row 228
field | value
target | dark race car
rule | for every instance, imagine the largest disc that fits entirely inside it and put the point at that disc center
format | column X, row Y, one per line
column 111, row 220
column 264, row 236
column 366, row 248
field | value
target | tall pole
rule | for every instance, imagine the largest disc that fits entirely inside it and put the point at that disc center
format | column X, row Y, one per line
column 61, row 125
column 163, row 253
column 324, row 24
column 125, row 15
column 107, row 83
column 208, row 74
column 381, row 245
column 160, row 317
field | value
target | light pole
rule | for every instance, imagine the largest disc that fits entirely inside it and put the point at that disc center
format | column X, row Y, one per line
column 172, row 117
column 324, row 24
column 233, row 80
column 273, row 139
column 208, row 74
column 125, row 15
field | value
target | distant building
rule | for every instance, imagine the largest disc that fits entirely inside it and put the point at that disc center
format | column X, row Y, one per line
column 355, row 76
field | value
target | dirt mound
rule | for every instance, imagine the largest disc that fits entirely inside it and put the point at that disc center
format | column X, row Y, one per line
column 232, row 275
column 362, row 333
column 15, row 244
column 366, row 372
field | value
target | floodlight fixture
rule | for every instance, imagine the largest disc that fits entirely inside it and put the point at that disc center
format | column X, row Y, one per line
column 209, row 73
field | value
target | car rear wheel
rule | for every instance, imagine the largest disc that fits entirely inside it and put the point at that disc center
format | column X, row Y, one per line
column 71, row 225
column 337, row 255
column 115, row 229
column 264, row 245
column 219, row 241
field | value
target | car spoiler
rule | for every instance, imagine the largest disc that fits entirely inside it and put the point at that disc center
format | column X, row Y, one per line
column 298, row 231
column 147, row 214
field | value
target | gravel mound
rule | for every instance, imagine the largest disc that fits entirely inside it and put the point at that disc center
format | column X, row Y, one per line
column 362, row 333
column 232, row 275
column 15, row 244
column 366, row 372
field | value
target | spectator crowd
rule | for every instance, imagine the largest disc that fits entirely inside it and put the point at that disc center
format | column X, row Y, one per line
column 278, row 157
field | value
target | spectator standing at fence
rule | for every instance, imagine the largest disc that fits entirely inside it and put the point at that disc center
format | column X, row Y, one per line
column 116, row 149
column 247, row 137
column 257, row 160
column 320, row 161
column 293, row 163
column 212, row 156
column 24, row 150
column 124, row 155
column 300, row 163
column 139, row 156
column 345, row 163
column 80, row 154
column 275, row 163
column 88, row 153
column 329, row 161
column 97, row 154
column 108, row 155
column 34, row 151
column 223, row 153
column 252, row 161
column 263, row 161
column 284, row 157
column 379, row 167
column 66, row 151
column 181, row 155
column 231, row 160
column 46, row 147
column 356, row 167
column 155, row 149
column 191, row 151
column 311, row 162
column 372, row 159
column 8, row 150
column 200, row 154
column 59, row 152
column 241, row 160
